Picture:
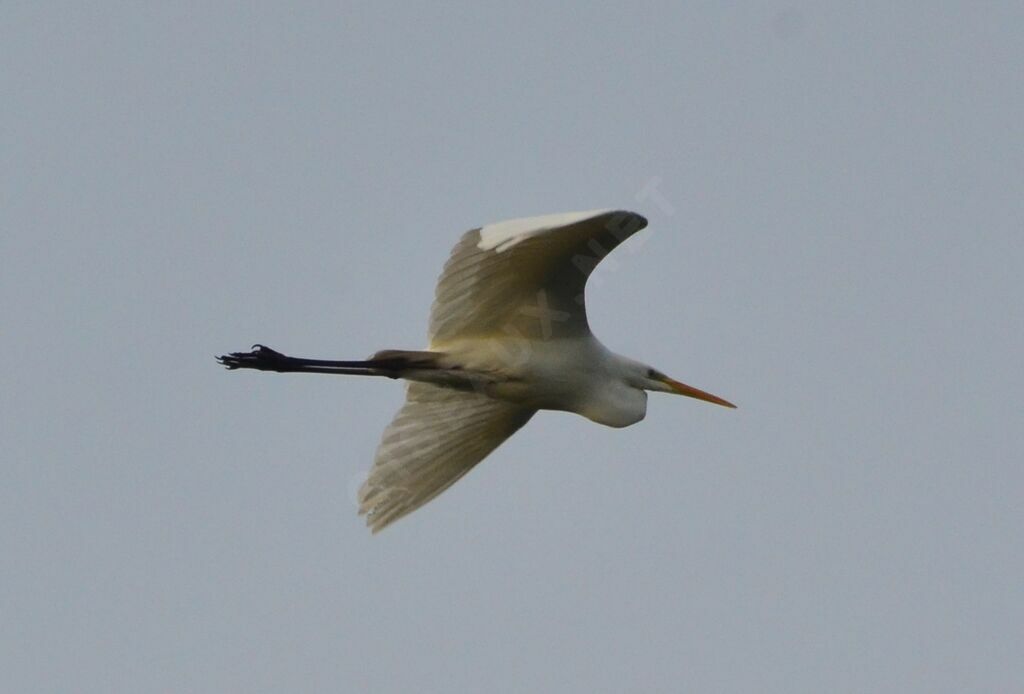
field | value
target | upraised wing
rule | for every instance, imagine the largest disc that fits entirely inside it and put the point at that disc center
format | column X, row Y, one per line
column 525, row 277
column 437, row 436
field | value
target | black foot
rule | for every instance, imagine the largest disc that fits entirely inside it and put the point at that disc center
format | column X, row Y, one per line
column 262, row 358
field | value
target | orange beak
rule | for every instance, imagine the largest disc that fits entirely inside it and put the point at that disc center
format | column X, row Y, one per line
column 691, row 392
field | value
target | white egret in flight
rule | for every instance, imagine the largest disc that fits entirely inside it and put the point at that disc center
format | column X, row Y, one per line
column 508, row 336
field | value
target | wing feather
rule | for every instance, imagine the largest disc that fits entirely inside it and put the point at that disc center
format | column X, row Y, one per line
column 512, row 277
column 436, row 437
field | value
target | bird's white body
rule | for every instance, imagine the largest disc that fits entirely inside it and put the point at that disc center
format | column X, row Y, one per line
column 509, row 331
column 573, row 374
column 508, row 337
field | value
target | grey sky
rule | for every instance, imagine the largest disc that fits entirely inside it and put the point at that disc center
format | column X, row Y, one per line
column 836, row 206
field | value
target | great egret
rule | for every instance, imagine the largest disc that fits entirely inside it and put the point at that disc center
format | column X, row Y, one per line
column 508, row 336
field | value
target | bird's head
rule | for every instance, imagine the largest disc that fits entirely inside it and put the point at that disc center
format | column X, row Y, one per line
column 648, row 378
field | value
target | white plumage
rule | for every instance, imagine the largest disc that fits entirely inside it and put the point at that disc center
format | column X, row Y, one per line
column 525, row 278
column 437, row 436
column 508, row 336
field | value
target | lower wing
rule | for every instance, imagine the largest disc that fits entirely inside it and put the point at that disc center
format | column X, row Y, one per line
column 437, row 436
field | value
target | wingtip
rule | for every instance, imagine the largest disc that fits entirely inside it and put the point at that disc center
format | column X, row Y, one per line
column 639, row 218
column 625, row 222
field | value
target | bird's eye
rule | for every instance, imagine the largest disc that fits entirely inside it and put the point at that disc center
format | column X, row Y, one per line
column 652, row 374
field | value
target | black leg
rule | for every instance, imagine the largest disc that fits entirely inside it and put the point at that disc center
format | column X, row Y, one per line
column 263, row 358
